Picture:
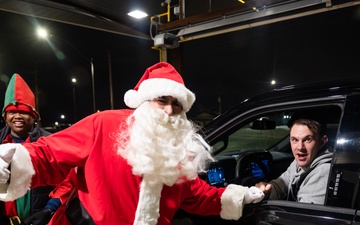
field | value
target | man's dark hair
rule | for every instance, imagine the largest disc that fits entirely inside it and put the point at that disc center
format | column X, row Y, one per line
column 317, row 128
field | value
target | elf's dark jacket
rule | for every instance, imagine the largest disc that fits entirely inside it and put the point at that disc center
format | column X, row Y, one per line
column 40, row 195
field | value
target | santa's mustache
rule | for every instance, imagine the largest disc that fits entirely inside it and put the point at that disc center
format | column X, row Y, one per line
column 162, row 118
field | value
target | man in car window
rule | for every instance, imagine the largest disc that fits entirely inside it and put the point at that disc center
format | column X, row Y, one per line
column 134, row 167
column 306, row 177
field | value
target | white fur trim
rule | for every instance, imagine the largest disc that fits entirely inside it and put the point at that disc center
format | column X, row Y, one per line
column 147, row 212
column 131, row 99
column 232, row 202
column 156, row 87
column 22, row 171
column 253, row 195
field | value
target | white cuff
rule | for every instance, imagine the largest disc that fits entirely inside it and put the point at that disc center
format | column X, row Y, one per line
column 22, row 171
column 232, row 202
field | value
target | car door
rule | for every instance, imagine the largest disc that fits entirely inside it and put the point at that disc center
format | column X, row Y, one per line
column 344, row 181
column 235, row 139
column 342, row 202
column 277, row 212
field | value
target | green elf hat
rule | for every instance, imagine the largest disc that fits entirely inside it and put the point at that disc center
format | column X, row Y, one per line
column 19, row 97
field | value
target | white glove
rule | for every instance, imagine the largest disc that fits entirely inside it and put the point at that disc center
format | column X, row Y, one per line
column 253, row 195
column 6, row 153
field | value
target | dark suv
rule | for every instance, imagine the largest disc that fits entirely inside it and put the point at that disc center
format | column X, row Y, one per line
column 251, row 144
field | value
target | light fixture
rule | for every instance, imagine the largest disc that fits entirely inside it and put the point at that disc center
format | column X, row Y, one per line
column 42, row 33
column 137, row 14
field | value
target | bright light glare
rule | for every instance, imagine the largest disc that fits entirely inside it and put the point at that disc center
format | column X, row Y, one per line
column 341, row 141
column 273, row 82
column 137, row 14
column 42, row 33
column 73, row 80
column 62, row 116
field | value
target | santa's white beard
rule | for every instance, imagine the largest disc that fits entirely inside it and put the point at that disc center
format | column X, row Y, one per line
column 165, row 148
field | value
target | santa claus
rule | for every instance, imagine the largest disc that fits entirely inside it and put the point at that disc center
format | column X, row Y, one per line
column 134, row 166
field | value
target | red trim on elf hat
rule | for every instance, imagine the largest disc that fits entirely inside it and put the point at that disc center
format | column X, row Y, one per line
column 19, row 97
column 158, row 80
column 23, row 108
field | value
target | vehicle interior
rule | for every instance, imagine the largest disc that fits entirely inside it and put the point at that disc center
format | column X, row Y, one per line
column 258, row 148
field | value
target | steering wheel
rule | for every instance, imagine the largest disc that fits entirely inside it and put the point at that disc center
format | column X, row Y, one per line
column 251, row 168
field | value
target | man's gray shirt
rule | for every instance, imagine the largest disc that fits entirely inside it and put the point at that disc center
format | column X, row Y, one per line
column 313, row 187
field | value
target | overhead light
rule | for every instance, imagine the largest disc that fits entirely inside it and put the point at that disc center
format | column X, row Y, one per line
column 42, row 33
column 137, row 14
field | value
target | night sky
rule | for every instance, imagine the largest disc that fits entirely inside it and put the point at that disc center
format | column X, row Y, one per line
column 232, row 66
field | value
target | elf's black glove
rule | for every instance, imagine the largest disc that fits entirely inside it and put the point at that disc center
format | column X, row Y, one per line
column 40, row 218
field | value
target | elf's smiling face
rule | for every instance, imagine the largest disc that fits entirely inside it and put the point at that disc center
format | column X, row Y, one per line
column 20, row 122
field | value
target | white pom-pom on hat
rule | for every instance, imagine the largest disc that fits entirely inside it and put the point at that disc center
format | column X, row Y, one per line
column 131, row 99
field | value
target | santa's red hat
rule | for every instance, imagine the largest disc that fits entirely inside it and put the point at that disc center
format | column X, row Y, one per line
column 19, row 97
column 158, row 80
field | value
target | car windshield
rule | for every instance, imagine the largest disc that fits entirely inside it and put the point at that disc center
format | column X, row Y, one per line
column 269, row 131
column 262, row 133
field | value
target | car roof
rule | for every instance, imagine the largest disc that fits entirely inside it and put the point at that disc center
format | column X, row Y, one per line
column 286, row 94
column 303, row 91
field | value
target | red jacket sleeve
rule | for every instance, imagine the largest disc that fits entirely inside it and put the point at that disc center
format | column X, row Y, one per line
column 65, row 188
column 203, row 198
column 86, row 144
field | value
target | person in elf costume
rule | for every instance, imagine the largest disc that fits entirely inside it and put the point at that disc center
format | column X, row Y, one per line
column 20, row 117
column 134, row 167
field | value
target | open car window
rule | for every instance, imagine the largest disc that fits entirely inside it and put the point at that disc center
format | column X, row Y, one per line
column 261, row 133
column 270, row 132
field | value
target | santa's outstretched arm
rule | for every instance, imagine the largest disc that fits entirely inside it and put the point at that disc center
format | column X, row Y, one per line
column 228, row 202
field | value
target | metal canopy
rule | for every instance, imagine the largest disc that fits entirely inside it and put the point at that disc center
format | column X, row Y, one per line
column 203, row 17
column 63, row 13
column 284, row 10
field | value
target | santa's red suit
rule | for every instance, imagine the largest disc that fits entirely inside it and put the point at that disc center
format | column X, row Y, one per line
column 106, row 186
column 112, row 191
